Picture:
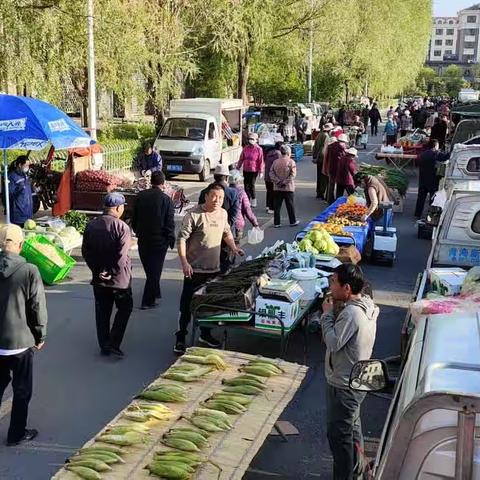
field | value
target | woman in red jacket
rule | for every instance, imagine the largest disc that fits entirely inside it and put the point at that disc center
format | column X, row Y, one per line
column 346, row 169
column 251, row 160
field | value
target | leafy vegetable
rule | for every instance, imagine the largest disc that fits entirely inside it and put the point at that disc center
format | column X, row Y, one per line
column 76, row 219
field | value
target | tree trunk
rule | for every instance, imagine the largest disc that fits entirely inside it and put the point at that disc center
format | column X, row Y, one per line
column 347, row 93
column 243, row 75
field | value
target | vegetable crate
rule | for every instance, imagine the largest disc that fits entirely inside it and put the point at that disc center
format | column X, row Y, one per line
column 50, row 272
column 297, row 151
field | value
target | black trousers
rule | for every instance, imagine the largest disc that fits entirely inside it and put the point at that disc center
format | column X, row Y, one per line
column 278, row 199
column 344, row 432
column 391, row 139
column 421, row 197
column 105, row 298
column 374, row 127
column 322, row 181
column 190, row 286
column 152, row 258
column 269, row 187
column 17, row 369
column 330, row 191
column 341, row 189
column 249, row 179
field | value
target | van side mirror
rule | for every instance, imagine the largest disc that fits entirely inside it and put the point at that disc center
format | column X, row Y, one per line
column 369, row 376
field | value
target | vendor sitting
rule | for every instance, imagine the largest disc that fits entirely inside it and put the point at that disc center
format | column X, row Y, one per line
column 150, row 160
column 376, row 193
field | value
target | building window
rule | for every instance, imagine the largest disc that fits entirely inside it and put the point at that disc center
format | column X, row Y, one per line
column 438, row 43
column 472, row 19
column 470, row 31
column 448, row 43
column 437, row 53
column 469, row 45
column 451, row 23
column 448, row 52
column 439, row 31
column 449, row 31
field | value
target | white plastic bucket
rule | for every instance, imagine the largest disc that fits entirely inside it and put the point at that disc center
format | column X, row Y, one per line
column 306, row 278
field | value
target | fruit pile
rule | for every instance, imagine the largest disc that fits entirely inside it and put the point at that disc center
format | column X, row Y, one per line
column 351, row 211
column 332, row 229
column 97, row 181
column 344, row 221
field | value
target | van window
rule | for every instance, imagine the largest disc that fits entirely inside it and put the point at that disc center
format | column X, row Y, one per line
column 211, row 131
column 476, row 223
column 473, row 165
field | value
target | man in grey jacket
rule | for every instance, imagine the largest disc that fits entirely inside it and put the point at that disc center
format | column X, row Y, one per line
column 23, row 327
column 349, row 338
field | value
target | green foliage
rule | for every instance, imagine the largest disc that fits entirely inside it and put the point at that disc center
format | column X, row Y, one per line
column 126, row 131
column 453, row 79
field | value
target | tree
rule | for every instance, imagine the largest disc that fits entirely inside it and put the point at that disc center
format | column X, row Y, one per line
column 454, row 81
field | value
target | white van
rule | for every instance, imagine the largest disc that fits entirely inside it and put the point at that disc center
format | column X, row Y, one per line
column 463, row 168
column 431, row 428
column 199, row 134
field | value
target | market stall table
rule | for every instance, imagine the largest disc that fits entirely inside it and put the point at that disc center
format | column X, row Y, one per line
column 400, row 161
column 231, row 450
column 282, row 334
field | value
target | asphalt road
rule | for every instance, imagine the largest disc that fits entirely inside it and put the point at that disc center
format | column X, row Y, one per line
column 76, row 391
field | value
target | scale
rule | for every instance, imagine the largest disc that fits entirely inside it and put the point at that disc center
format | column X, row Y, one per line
column 286, row 290
column 385, row 238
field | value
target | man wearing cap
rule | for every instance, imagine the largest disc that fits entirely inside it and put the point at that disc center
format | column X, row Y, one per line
column 106, row 243
column 334, row 153
column 23, row 328
column 251, row 160
column 346, row 169
column 318, row 157
column 153, row 222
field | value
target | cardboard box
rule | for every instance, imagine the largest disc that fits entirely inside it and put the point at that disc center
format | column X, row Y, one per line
column 287, row 311
column 447, row 281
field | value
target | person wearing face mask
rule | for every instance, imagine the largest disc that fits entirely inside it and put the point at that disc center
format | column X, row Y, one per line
column 251, row 159
column 20, row 191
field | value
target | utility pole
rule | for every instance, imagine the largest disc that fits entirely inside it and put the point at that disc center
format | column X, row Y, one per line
column 92, row 91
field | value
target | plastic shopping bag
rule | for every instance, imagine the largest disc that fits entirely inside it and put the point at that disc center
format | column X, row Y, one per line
column 255, row 235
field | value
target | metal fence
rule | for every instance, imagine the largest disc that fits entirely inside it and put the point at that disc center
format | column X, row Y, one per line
column 120, row 155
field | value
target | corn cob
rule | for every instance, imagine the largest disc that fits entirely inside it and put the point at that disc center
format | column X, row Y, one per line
column 203, row 352
column 268, row 366
column 97, row 456
column 255, row 378
column 195, row 438
column 191, row 429
column 84, row 472
column 244, row 389
column 126, row 439
column 175, row 463
column 211, row 412
column 260, row 370
column 103, row 448
column 90, row 462
column 163, row 396
column 122, row 429
column 234, row 382
column 180, row 444
column 169, row 472
column 241, row 399
column 210, row 424
column 192, row 456
column 114, row 456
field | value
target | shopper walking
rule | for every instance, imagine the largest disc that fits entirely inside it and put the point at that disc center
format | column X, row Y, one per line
column 283, row 173
column 271, row 155
column 245, row 210
column 390, row 131
column 346, row 169
column 106, row 243
column 23, row 328
column 318, row 157
column 153, row 222
column 427, row 182
column 20, row 191
column 366, row 116
column 335, row 151
column 251, row 161
column 199, row 242
column 348, row 338
column 405, row 123
column 375, row 117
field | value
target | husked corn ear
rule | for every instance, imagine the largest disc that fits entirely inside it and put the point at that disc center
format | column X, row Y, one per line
column 170, row 472
column 103, row 448
column 180, row 444
column 242, row 381
column 211, row 412
column 268, row 366
column 92, row 463
column 260, row 370
column 108, row 459
column 84, row 472
column 122, row 429
column 199, row 440
column 130, row 438
column 244, row 389
column 241, row 399
column 163, row 396
column 203, row 352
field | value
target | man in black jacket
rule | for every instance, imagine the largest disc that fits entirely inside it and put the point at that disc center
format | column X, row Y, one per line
column 428, row 182
column 153, row 222
column 23, row 328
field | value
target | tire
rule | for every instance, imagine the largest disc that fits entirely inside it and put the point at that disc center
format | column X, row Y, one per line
column 204, row 175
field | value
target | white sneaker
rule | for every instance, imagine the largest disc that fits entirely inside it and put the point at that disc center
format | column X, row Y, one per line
column 270, row 211
column 253, row 202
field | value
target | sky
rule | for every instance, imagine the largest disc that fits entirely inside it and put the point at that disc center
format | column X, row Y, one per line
column 449, row 8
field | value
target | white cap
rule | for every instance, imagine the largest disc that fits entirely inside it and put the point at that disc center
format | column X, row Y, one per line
column 221, row 169
column 343, row 138
column 352, row 151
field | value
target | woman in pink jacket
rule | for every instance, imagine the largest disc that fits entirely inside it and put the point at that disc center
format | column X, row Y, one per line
column 244, row 208
column 282, row 174
column 251, row 159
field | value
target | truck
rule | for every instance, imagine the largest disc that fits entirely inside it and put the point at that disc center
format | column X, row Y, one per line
column 468, row 95
column 199, row 134
column 431, row 429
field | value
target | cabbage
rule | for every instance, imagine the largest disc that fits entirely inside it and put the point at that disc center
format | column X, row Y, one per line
column 30, row 225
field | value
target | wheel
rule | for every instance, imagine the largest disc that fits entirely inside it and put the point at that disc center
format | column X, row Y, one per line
column 204, row 175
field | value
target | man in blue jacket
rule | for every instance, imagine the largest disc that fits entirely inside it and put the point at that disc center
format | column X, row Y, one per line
column 23, row 328
column 20, row 192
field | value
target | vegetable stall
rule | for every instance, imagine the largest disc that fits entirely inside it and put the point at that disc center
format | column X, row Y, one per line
column 204, row 418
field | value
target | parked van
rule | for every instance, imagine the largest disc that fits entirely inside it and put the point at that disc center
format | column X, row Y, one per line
column 431, row 427
column 463, row 168
column 200, row 133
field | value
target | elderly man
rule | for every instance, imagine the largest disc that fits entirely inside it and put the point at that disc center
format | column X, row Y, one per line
column 318, row 157
column 199, row 242
column 23, row 328
column 106, row 243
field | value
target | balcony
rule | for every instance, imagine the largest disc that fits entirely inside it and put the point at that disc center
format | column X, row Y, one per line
column 470, row 38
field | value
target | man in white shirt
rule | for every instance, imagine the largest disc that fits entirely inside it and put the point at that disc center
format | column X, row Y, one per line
column 23, row 327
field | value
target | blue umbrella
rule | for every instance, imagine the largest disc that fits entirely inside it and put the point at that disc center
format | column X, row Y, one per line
column 31, row 124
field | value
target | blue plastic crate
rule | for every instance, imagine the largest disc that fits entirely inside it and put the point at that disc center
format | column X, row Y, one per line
column 298, row 151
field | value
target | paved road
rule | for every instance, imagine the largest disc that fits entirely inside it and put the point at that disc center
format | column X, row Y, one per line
column 77, row 391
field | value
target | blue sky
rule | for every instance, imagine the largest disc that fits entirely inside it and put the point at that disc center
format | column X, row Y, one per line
column 449, row 8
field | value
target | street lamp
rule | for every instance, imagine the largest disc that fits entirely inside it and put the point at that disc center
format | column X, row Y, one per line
column 92, row 93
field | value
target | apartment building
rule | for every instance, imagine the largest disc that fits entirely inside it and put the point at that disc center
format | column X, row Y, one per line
column 443, row 43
